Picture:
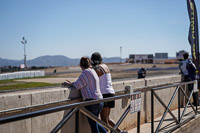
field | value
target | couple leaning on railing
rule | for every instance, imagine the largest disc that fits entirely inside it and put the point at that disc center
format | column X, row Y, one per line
column 95, row 83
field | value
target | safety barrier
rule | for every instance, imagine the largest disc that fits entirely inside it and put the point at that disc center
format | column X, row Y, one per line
column 75, row 108
column 179, row 122
column 23, row 74
column 30, row 112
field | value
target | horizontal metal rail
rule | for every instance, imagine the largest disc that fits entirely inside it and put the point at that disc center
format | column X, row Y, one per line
column 74, row 108
column 59, row 108
column 173, row 85
column 45, row 105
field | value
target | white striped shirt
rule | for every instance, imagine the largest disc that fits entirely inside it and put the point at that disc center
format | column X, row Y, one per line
column 88, row 83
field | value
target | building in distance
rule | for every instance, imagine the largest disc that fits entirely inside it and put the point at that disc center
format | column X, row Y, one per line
column 140, row 58
column 161, row 55
column 179, row 55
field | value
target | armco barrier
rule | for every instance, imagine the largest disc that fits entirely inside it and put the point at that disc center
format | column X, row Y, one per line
column 46, row 123
column 24, row 74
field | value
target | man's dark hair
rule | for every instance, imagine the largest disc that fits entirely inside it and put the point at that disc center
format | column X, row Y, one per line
column 185, row 55
column 96, row 58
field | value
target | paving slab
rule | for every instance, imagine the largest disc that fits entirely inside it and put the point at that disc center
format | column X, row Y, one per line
column 167, row 124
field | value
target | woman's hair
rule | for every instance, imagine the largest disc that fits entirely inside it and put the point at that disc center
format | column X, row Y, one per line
column 85, row 62
column 96, row 58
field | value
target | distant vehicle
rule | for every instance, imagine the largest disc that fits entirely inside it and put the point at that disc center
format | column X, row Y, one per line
column 142, row 73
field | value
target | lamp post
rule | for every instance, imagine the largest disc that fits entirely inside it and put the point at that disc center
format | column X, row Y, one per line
column 24, row 42
column 121, row 54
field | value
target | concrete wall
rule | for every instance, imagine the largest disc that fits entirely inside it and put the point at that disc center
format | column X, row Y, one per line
column 46, row 123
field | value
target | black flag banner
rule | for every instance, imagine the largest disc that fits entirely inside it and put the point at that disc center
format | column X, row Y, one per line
column 193, row 36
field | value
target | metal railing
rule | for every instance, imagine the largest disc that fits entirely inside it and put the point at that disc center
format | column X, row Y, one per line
column 77, row 107
column 179, row 122
column 74, row 109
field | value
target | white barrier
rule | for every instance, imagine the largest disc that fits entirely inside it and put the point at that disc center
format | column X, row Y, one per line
column 24, row 74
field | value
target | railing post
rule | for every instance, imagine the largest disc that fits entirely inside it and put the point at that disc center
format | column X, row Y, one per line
column 179, row 105
column 152, row 111
column 197, row 95
column 138, row 122
column 77, row 122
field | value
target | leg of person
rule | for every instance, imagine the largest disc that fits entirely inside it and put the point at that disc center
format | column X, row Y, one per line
column 105, row 117
column 101, row 128
column 194, row 95
column 95, row 109
column 105, row 114
column 92, row 123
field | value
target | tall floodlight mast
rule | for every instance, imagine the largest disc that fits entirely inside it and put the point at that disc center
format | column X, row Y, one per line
column 121, row 54
column 24, row 42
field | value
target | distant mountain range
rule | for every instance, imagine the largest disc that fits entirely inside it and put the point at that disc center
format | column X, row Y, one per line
column 57, row 60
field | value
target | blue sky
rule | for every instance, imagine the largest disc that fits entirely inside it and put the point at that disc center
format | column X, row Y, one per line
column 76, row 28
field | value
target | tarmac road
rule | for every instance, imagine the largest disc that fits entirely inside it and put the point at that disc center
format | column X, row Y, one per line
column 155, row 73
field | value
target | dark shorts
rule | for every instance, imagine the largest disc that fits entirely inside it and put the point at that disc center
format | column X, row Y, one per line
column 110, row 104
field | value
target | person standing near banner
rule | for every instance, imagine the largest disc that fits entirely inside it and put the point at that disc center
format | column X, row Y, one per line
column 188, row 71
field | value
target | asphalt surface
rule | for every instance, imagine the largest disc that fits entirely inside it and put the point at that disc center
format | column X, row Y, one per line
column 155, row 73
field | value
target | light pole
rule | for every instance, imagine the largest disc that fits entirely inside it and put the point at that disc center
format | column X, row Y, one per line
column 121, row 54
column 24, row 42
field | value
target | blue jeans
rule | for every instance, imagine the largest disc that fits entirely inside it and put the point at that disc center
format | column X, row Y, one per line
column 95, row 109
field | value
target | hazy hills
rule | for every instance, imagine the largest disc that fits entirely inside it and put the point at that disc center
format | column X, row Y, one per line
column 57, row 60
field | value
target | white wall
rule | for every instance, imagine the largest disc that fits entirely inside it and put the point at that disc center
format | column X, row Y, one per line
column 23, row 74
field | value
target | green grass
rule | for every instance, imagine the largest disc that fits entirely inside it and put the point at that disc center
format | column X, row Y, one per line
column 13, row 80
column 24, row 85
column 7, row 81
column 12, row 84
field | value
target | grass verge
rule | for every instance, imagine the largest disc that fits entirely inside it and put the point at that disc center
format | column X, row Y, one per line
column 23, row 85
column 7, row 81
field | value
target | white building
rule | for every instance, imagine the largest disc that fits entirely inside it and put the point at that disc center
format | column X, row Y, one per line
column 161, row 55
column 179, row 55
column 140, row 58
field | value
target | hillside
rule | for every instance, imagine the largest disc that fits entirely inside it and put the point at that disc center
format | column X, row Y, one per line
column 57, row 60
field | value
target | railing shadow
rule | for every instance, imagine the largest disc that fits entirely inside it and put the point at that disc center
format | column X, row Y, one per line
column 179, row 121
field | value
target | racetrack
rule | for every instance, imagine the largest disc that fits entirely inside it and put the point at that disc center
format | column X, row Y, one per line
column 120, row 72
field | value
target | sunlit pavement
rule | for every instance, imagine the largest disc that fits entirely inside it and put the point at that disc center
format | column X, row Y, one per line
column 168, row 122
